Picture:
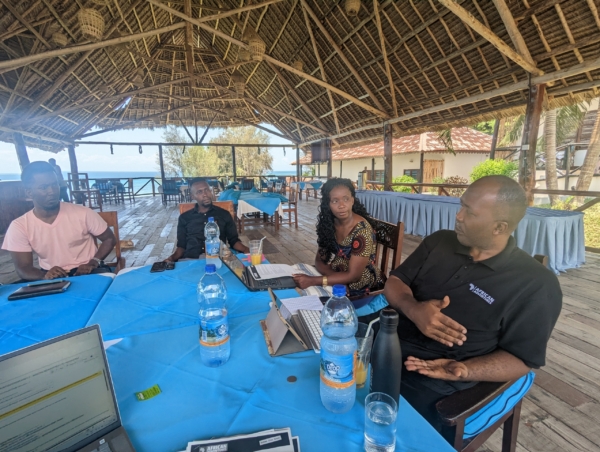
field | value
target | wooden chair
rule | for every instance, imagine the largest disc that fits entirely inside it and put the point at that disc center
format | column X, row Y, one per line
column 170, row 190
column 291, row 207
column 456, row 408
column 111, row 219
column 247, row 184
column 227, row 205
column 389, row 239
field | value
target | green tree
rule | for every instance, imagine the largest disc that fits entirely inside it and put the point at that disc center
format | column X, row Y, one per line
column 188, row 161
column 403, row 180
column 494, row 167
column 250, row 161
column 486, row 127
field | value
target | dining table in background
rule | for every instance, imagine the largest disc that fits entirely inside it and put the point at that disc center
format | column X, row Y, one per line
column 314, row 185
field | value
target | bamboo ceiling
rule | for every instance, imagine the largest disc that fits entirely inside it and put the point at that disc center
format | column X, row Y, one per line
column 433, row 71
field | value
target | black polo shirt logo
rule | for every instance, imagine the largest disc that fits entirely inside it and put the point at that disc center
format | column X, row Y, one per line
column 480, row 293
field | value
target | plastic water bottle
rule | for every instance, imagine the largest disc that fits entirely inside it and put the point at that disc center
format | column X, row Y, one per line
column 338, row 352
column 212, row 242
column 215, row 346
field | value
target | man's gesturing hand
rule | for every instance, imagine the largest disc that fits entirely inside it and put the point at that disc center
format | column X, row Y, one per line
column 55, row 272
column 442, row 369
column 435, row 325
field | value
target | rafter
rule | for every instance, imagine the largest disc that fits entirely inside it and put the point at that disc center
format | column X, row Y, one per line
column 385, row 57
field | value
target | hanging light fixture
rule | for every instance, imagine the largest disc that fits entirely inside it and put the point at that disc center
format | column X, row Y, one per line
column 257, row 47
column 112, row 152
column 244, row 54
column 140, row 150
column 298, row 65
column 352, row 7
column 239, row 82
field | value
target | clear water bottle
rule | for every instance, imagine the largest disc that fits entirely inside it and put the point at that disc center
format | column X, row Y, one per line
column 215, row 346
column 338, row 352
column 212, row 242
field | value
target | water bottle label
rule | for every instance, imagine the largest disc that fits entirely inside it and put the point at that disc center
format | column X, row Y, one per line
column 214, row 332
column 212, row 249
column 338, row 371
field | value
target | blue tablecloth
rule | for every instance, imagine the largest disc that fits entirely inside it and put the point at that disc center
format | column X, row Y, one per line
column 554, row 233
column 156, row 314
column 265, row 202
column 315, row 184
column 31, row 320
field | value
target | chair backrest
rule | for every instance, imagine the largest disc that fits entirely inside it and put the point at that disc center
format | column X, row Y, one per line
column 227, row 205
column 247, row 184
column 542, row 259
column 113, row 222
column 169, row 184
column 389, row 237
column 293, row 196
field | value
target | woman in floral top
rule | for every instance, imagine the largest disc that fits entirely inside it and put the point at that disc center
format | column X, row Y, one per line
column 346, row 240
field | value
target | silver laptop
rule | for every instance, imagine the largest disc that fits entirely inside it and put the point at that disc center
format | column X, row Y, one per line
column 248, row 276
column 58, row 396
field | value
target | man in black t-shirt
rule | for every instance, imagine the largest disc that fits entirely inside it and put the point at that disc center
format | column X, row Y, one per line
column 473, row 307
column 190, row 226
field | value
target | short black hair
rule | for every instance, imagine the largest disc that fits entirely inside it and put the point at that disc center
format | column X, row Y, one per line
column 197, row 180
column 34, row 168
column 511, row 198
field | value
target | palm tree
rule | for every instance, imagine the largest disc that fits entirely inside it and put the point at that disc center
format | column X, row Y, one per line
column 586, row 171
column 550, row 153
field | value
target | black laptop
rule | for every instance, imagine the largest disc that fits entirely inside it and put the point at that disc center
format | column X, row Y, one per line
column 58, row 396
column 248, row 276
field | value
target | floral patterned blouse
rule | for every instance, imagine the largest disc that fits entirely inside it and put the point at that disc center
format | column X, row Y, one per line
column 360, row 242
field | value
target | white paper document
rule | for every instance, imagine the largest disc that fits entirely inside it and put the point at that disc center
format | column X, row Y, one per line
column 271, row 271
column 290, row 306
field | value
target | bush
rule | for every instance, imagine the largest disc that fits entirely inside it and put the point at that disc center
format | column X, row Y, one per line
column 494, row 167
column 436, row 180
column 404, row 180
column 456, row 180
column 591, row 220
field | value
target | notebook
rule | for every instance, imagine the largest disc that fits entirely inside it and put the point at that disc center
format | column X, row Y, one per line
column 247, row 275
column 58, row 396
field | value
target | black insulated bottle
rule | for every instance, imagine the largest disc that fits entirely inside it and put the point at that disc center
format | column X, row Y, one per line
column 386, row 357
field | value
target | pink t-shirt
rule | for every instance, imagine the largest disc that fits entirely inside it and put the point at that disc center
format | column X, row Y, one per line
column 67, row 243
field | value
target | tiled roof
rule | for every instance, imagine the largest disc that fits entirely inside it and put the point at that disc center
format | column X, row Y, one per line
column 464, row 140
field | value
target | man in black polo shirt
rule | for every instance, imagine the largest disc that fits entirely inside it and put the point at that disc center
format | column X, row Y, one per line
column 190, row 226
column 473, row 307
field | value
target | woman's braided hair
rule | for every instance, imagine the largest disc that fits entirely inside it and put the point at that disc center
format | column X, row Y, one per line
column 325, row 226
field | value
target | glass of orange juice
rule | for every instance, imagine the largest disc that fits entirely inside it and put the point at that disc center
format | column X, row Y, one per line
column 364, row 345
column 255, row 252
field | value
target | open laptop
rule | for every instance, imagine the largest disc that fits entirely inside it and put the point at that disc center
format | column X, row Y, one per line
column 58, row 396
column 248, row 275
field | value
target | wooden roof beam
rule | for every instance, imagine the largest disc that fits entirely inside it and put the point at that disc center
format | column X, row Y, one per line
column 491, row 37
column 385, row 57
column 346, row 61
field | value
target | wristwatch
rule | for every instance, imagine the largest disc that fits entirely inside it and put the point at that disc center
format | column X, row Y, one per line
column 100, row 262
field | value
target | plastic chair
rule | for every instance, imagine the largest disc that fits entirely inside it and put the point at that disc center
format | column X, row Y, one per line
column 247, row 184
column 170, row 190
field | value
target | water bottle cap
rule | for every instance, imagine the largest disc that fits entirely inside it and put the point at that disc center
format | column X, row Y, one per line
column 388, row 317
column 211, row 219
column 339, row 290
column 210, row 268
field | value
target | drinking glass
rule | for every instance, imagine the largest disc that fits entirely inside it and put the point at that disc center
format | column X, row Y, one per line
column 364, row 345
column 380, row 422
column 255, row 252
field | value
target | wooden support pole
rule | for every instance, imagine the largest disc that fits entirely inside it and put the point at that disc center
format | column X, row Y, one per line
column 494, row 139
column 74, row 169
column 162, row 170
column 567, row 166
column 529, row 139
column 21, row 150
column 421, row 168
column 373, row 169
column 233, row 163
column 341, row 161
column 327, row 144
column 387, row 157
column 298, row 164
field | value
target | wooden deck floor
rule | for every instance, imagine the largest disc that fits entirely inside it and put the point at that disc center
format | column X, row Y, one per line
column 562, row 410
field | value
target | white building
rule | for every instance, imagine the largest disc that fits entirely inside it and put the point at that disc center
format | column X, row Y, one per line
column 470, row 146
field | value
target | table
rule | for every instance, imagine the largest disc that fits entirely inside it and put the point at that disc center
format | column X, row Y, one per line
column 156, row 315
column 557, row 234
column 308, row 185
column 256, row 202
column 31, row 320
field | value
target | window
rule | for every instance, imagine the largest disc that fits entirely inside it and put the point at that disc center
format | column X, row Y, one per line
column 412, row 173
column 378, row 175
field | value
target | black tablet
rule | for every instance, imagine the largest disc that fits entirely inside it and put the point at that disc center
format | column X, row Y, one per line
column 39, row 288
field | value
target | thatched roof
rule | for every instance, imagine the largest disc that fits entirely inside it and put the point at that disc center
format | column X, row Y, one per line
column 442, row 72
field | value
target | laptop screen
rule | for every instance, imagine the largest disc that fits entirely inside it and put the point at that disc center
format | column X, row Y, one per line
column 56, row 394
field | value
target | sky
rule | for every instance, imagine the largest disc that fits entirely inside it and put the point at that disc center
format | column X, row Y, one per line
column 125, row 158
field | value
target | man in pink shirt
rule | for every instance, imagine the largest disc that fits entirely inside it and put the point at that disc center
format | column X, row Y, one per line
column 63, row 235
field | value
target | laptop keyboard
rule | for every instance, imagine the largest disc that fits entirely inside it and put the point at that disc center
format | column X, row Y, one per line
column 312, row 322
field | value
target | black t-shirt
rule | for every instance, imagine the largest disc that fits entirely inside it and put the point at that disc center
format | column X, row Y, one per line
column 190, row 229
column 509, row 301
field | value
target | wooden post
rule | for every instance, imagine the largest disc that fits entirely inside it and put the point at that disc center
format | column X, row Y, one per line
column 567, row 166
column 494, row 139
column 529, row 140
column 387, row 157
column 421, row 168
column 319, row 169
column 373, row 169
column 162, row 171
column 21, row 150
column 298, row 164
column 74, row 169
column 234, row 167
column 327, row 144
column 340, row 168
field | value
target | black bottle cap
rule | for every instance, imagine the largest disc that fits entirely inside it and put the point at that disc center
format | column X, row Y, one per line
column 388, row 318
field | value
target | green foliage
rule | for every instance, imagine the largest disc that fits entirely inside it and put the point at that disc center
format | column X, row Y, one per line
column 494, row 167
column 250, row 161
column 445, row 136
column 486, row 127
column 436, row 180
column 310, row 171
column 403, row 180
column 591, row 220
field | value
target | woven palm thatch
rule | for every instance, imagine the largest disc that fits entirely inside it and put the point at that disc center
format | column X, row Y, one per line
column 91, row 23
column 436, row 71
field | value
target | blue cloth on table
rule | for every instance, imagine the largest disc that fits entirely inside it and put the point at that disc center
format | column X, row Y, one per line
column 316, row 184
column 494, row 410
column 555, row 233
column 31, row 320
column 141, row 302
column 253, row 190
column 232, row 185
column 265, row 202
column 230, row 195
